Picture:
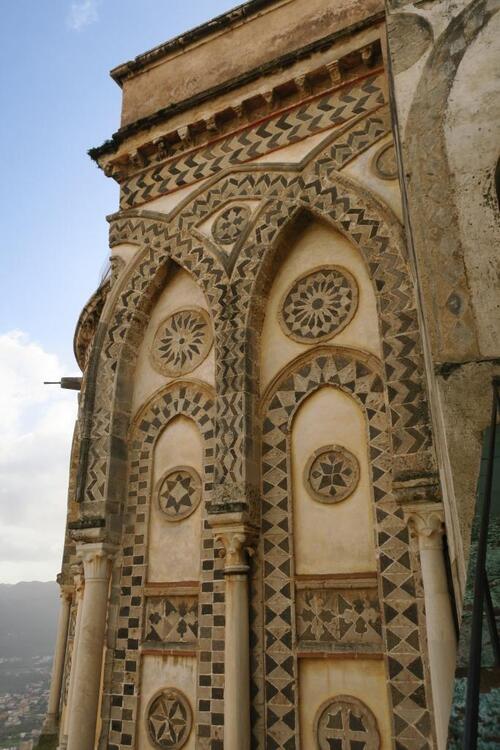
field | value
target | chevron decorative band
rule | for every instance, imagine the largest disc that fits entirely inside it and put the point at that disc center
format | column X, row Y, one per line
column 313, row 116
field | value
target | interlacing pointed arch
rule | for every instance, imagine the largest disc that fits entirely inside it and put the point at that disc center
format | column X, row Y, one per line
column 234, row 301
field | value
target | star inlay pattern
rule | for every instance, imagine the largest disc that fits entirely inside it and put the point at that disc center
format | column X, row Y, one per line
column 331, row 474
column 169, row 719
column 182, row 342
column 179, row 492
column 345, row 723
column 319, row 305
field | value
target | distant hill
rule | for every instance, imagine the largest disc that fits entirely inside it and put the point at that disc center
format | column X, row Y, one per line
column 28, row 618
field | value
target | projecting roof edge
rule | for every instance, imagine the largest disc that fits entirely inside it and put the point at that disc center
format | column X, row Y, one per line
column 225, row 20
column 162, row 115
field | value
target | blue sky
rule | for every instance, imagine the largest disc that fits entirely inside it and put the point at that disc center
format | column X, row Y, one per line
column 57, row 101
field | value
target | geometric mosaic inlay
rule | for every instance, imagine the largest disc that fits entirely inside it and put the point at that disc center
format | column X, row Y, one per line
column 169, row 719
column 342, row 618
column 319, row 305
column 172, row 619
column 331, row 474
column 179, row 492
column 182, row 342
column 345, row 723
column 230, row 224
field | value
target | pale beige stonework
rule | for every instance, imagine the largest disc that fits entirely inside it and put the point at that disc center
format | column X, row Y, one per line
column 163, row 671
column 180, row 291
column 96, row 559
column 335, row 539
column 178, row 445
column 427, row 522
column 238, row 541
column 265, row 600
column 51, row 721
column 317, row 245
column 321, row 679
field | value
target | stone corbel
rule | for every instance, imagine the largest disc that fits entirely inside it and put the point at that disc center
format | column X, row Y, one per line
column 333, row 69
column 138, row 159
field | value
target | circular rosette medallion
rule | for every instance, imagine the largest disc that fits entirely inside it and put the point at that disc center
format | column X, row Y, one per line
column 179, row 492
column 169, row 719
column 229, row 224
column 319, row 305
column 331, row 474
column 182, row 342
column 345, row 723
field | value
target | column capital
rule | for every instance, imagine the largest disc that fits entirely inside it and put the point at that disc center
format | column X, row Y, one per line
column 96, row 558
column 427, row 520
column 238, row 539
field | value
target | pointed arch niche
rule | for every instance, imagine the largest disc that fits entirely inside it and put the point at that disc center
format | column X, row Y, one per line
column 307, row 245
column 331, row 537
column 324, row 468
column 180, row 293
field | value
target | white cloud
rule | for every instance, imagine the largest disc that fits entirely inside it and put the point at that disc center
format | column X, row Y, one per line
column 35, row 441
column 82, row 14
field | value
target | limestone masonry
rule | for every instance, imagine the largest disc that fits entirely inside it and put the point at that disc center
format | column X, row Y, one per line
column 286, row 379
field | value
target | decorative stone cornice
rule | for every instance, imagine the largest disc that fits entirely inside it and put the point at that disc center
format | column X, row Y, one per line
column 96, row 558
column 229, row 118
column 427, row 520
column 238, row 540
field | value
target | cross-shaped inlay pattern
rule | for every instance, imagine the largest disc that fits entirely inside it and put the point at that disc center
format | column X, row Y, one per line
column 230, row 224
column 182, row 342
column 172, row 619
column 345, row 723
column 179, row 492
column 331, row 474
column 339, row 618
column 169, row 720
column 319, row 305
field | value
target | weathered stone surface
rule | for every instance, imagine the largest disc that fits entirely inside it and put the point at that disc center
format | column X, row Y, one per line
column 277, row 372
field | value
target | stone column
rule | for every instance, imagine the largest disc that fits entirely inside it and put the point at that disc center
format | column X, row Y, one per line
column 79, row 587
column 428, row 522
column 237, row 539
column 96, row 558
column 50, row 727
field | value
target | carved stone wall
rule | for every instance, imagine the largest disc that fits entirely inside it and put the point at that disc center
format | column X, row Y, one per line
column 182, row 336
